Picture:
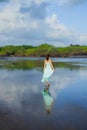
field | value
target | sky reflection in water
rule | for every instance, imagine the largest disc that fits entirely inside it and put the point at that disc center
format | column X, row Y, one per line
column 22, row 104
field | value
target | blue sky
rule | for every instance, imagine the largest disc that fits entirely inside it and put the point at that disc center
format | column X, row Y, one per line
column 34, row 22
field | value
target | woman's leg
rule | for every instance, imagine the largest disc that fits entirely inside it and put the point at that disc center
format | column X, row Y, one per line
column 48, row 84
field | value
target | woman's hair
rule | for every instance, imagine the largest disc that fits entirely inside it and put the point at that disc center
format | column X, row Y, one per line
column 47, row 57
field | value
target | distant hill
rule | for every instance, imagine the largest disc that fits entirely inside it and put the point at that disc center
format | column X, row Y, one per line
column 42, row 50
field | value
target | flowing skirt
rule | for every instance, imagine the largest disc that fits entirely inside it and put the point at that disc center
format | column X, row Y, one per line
column 47, row 73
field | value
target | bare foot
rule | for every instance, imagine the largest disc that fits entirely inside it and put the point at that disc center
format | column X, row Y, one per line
column 48, row 85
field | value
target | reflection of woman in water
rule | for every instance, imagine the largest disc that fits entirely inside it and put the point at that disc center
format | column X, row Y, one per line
column 48, row 101
column 48, row 70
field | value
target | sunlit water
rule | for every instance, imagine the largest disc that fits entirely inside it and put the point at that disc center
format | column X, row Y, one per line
column 23, row 106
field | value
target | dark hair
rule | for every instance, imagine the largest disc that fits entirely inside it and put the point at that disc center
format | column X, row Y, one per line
column 47, row 57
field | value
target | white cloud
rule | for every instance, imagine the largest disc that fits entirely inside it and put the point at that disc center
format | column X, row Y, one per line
column 19, row 22
column 82, row 38
column 39, row 1
column 70, row 2
column 61, row 2
column 57, row 29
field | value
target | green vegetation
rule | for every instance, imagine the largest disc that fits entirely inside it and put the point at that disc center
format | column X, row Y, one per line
column 20, row 64
column 33, row 64
column 42, row 50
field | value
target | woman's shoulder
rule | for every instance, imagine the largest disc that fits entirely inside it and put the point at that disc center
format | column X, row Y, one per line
column 47, row 61
column 50, row 60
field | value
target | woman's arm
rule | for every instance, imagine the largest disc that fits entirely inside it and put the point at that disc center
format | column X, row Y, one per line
column 44, row 64
column 51, row 65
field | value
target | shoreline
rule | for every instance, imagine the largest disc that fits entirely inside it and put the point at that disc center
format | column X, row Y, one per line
column 73, row 56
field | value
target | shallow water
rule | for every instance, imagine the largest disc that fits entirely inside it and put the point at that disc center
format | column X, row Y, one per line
column 23, row 106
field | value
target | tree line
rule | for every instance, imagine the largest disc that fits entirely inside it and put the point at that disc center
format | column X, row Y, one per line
column 42, row 50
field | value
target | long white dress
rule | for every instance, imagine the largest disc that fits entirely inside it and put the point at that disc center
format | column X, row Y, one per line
column 48, row 71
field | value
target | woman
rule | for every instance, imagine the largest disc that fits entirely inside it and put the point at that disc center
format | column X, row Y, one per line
column 48, row 70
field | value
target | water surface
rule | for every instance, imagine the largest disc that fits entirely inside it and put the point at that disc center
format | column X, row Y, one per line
column 23, row 105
